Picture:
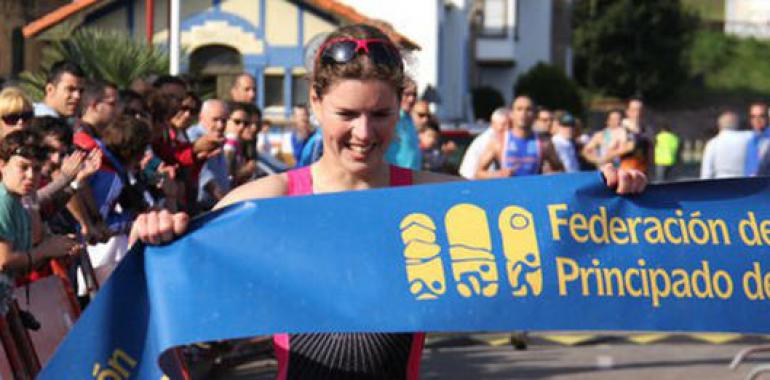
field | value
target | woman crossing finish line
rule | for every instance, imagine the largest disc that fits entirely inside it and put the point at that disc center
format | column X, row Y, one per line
column 355, row 91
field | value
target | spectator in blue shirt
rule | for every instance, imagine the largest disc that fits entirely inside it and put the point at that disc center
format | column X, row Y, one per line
column 404, row 150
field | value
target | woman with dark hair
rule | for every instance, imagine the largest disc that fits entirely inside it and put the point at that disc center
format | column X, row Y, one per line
column 186, row 114
column 356, row 87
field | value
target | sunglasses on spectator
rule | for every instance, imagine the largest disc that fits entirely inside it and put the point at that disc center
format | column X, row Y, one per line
column 344, row 50
column 13, row 118
column 421, row 115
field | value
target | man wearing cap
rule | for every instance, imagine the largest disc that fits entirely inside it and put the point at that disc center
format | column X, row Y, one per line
column 563, row 141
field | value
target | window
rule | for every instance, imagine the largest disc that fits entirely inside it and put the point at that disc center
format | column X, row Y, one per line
column 214, row 67
column 299, row 89
column 495, row 21
column 274, row 90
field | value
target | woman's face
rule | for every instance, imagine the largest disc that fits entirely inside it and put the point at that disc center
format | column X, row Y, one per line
column 184, row 117
column 57, row 150
column 250, row 131
column 238, row 120
column 15, row 121
column 614, row 119
column 358, row 118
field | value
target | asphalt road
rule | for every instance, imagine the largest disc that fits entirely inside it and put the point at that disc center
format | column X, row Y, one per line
column 660, row 361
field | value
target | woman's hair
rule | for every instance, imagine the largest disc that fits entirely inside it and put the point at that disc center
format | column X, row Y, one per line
column 52, row 126
column 26, row 143
column 191, row 95
column 126, row 97
column 240, row 106
column 361, row 67
column 127, row 137
column 14, row 100
column 162, row 107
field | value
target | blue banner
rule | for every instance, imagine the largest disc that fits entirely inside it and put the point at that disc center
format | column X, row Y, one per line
column 559, row 252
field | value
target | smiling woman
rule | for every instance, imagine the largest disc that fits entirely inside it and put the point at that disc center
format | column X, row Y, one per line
column 356, row 90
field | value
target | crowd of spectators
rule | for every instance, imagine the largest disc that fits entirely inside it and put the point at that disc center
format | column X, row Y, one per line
column 80, row 165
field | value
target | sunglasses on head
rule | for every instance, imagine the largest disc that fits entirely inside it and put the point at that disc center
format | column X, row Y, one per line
column 344, row 50
column 13, row 118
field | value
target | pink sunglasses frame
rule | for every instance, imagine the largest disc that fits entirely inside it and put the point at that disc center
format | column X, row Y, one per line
column 361, row 44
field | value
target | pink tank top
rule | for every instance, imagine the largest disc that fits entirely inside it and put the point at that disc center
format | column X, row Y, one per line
column 353, row 355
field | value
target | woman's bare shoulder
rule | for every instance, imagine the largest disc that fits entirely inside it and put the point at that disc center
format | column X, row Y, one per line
column 423, row 177
column 266, row 187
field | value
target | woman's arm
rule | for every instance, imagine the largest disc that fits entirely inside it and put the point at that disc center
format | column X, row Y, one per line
column 19, row 261
column 158, row 227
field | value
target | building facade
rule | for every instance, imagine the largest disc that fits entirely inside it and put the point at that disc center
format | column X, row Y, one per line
column 223, row 38
column 14, row 14
column 512, row 36
column 440, row 67
column 748, row 18
column 454, row 45
column 467, row 44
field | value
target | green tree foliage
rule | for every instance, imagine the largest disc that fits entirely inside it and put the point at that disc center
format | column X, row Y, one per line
column 632, row 47
column 725, row 63
column 107, row 55
column 548, row 86
column 485, row 101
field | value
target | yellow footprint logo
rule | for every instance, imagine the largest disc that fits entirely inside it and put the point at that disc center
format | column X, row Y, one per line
column 525, row 275
column 424, row 269
column 470, row 247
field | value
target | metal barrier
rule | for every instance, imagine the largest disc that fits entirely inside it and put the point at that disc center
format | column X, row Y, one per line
column 22, row 362
column 53, row 302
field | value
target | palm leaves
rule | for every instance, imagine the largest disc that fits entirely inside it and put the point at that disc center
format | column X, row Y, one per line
column 109, row 55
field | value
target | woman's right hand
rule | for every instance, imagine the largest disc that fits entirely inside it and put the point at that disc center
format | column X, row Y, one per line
column 158, row 227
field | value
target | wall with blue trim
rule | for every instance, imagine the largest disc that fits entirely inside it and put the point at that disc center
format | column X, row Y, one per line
column 202, row 18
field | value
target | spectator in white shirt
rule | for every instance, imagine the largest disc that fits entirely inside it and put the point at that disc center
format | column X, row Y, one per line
column 499, row 122
column 725, row 154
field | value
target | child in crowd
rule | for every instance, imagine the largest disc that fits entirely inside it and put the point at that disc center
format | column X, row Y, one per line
column 20, row 161
column 433, row 158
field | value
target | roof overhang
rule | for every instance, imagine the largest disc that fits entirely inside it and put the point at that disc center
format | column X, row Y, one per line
column 63, row 20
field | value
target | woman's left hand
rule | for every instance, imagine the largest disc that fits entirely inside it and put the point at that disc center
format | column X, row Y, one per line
column 624, row 181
